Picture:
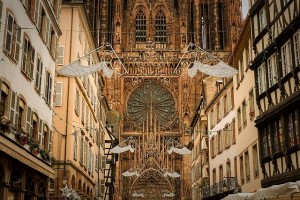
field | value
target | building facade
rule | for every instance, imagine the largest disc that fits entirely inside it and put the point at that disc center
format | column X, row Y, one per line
column 28, row 40
column 222, row 143
column 246, row 156
column 149, row 37
column 275, row 36
column 80, row 107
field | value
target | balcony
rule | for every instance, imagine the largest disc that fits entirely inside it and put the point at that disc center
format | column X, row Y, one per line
column 220, row 190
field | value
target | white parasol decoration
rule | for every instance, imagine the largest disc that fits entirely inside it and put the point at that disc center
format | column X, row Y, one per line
column 218, row 68
column 221, row 69
column 128, row 173
column 169, row 194
column 172, row 174
column 124, row 146
column 76, row 69
column 118, row 149
column 137, row 194
column 181, row 151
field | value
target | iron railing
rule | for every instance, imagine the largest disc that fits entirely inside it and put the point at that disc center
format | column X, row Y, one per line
column 229, row 184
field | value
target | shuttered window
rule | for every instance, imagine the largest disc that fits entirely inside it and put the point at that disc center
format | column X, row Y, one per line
column 48, row 88
column 61, row 55
column 14, row 111
column 41, row 136
column 12, row 38
column 75, row 145
column 29, row 126
column 38, row 75
column 58, row 94
column 28, row 58
column 76, row 102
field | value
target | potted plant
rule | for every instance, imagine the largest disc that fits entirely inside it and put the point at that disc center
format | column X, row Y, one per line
column 33, row 146
column 45, row 154
column 22, row 137
column 5, row 124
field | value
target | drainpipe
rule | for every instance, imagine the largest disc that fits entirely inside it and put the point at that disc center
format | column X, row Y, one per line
column 68, row 96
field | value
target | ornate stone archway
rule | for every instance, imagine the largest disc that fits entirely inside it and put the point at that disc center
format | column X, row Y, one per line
column 152, row 184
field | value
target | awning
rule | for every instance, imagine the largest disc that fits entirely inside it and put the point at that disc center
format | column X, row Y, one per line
column 285, row 190
column 22, row 155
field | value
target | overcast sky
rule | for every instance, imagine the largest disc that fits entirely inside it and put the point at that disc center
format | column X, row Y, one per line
column 245, row 8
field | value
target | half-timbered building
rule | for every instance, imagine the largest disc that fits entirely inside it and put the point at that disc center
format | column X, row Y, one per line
column 276, row 39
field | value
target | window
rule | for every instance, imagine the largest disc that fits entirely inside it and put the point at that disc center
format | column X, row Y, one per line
column 212, row 141
column 272, row 69
column 266, row 141
column 81, row 149
column 1, row 8
column 84, row 153
column 41, row 133
column 38, row 75
column 247, row 166
column 48, row 88
column 61, row 55
column 49, row 140
column 140, row 27
column 261, row 78
column 221, row 110
column 77, row 109
column 4, row 102
column 160, row 27
column 244, row 114
column 53, row 44
column 214, row 176
column 45, row 27
column 12, row 38
column 35, row 127
column 286, row 58
column 82, row 110
column 14, row 108
column 241, row 68
column 29, row 121
column 262, row 19
column 59, row 94
column 221, row 176
column 297, row 47
column 242, row 175
column 75, row 145
column 38, row 14
column 220, row 141
column 292, row 127
column 228, row 169
column 251, row 105
column 239, row 117
column 28, row 58
column 255, row 160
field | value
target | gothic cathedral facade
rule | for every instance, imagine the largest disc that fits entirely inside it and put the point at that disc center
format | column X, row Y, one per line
column 151, row 89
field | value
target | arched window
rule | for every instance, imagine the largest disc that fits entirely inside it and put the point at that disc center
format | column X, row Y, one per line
column 73, row 183
column 160, row 27
column 4, row 103
column 140, row 27
column 29, row 187
column 41, row 193
column 79, row 186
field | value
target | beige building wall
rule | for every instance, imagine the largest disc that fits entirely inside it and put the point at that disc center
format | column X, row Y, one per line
column 248, row 169
column 79, row 114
